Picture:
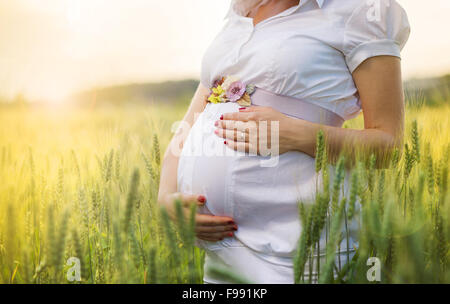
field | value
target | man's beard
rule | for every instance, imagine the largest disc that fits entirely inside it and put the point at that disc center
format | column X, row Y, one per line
column 244, row 6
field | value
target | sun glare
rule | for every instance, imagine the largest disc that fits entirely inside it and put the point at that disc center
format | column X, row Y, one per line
column 52, row 48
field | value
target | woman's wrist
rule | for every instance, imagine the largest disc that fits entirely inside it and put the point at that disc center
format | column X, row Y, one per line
column 302, row 135
column 163, row 195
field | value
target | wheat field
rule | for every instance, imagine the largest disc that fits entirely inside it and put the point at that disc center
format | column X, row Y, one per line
column 82, row 183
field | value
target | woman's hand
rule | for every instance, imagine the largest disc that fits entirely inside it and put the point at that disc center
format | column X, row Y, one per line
column 379, row 84
column 255, row 128
column 208, row 227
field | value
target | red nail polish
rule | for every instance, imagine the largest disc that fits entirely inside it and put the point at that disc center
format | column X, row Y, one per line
column 201, row 199
column 216, row 123
column 225, row 142
column 230, row 222
column 230, row 234
column 234, row 227
column 221, row 117
column 242, row 108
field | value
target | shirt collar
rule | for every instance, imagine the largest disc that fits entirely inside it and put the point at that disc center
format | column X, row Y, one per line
column 302, row 2
column 320, row 3
column 294, row 9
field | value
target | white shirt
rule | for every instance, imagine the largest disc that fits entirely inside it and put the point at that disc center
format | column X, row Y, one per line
column 308, row 51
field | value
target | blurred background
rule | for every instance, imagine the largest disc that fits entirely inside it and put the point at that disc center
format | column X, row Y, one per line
column 90, row 91
column 57, row 51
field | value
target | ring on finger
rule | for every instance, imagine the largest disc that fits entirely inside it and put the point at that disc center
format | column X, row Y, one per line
column 241, row 136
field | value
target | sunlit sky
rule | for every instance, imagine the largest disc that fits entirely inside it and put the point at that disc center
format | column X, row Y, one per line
column 50, row 48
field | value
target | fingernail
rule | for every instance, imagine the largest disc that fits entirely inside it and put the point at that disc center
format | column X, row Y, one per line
column 242, row 109
column 234, row 227
column 201, row 199
column 231, row 222
column 225, row 142
column 216, row 131
column 230, row 234
column 221, row 117
column 216, row 123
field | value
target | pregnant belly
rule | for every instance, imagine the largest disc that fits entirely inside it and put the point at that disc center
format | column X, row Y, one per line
column 263, row 200
column 205, row 161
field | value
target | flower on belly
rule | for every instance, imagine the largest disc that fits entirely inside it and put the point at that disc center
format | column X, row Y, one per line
column 230, row 88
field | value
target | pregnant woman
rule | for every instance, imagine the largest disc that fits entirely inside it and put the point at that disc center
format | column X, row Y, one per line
column 314, row 64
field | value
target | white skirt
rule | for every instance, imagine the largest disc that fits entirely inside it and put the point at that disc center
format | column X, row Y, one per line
column 258, row 268
column 249, row 265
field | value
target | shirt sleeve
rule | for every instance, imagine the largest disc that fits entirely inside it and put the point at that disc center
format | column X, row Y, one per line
column 376, row 28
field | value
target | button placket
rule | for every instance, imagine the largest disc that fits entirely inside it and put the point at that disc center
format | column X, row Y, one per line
column 247, row 38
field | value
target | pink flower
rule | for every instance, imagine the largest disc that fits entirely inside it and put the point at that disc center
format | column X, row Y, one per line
column 235, row 91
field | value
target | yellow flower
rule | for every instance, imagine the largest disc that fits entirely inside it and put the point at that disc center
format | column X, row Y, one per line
column 218, row 95
column 214, row 99
column 218, row 91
